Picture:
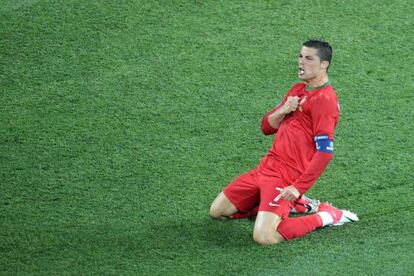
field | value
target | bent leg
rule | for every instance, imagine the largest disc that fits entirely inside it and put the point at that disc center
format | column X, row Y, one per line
column 293, row 228
column 265, row 232
column 271, row 229
column 239, row 198
column 222, row 208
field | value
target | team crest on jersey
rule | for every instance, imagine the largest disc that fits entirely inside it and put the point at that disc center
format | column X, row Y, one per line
column 301, row 103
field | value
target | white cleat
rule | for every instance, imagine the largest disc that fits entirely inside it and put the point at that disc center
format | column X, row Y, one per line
column 340, row 217
column 347, row 216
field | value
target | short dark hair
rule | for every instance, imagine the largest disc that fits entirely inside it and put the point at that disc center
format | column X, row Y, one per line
column 323, row 47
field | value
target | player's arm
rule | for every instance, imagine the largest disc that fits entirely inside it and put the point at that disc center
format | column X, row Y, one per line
column 318, row 164
column 325, row 117
column 272, row 120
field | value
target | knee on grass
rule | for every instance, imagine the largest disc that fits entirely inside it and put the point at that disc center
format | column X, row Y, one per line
column 216, row 213
column 267, row 237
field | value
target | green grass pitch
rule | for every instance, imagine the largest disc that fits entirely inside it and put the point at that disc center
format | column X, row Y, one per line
column 122, row 120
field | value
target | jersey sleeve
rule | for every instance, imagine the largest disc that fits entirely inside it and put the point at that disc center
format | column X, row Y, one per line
column 267, row 129
column 317, row 166
column 325, row 115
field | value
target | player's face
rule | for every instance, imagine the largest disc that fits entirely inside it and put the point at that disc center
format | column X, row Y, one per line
column 310, row 65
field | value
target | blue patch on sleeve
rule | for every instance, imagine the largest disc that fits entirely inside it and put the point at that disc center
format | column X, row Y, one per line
column 324, row 144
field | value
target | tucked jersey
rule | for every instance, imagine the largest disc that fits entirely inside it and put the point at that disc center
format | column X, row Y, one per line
column 294, row 143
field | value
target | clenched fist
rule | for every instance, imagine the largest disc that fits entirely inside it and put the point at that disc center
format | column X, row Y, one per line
column 291, row 104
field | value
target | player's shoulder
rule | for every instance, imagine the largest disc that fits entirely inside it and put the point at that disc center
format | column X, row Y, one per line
column 297, row 88
column 326, row 94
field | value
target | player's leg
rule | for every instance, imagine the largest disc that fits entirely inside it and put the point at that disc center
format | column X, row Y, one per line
column 237, row 199
column 291, row 228
column 303, row 205
column 327, row 215
column 271, row 229
column 251, row 214
column 222, row 208
column 265, row 226
column 272, row 210
column 272, row 223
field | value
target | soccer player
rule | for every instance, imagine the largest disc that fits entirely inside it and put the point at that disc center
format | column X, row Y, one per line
column 304, row 125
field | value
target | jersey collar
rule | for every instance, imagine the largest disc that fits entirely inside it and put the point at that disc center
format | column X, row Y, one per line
column 308, row 87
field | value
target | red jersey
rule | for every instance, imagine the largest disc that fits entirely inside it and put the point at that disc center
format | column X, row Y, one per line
column 294, row 144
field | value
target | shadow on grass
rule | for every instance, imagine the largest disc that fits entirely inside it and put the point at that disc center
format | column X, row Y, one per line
column 201, row 233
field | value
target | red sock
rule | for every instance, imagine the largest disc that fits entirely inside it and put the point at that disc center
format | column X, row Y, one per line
column 291, row 228
column 249, row 214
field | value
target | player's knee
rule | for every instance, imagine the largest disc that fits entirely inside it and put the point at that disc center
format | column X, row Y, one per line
column 262, row 239
column 222, row 208
column 215, row 212
column 267, row 237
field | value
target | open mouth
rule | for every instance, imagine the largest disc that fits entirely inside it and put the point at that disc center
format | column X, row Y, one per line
column 301, row 71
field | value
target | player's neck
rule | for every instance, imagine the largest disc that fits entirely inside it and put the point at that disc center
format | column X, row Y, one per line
column 318, row 81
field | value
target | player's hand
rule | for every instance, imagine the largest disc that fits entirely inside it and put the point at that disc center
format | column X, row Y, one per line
column 290, row 193
column 291, row 104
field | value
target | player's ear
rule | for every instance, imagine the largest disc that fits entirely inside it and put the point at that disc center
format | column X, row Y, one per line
column 325, row 64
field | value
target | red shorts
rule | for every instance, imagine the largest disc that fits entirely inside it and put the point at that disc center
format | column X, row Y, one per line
column 259, row 187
